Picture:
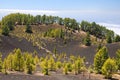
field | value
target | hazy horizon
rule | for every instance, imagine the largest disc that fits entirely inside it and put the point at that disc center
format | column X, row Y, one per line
column 103, row 12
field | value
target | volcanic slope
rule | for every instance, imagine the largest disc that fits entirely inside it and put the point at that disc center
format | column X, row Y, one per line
column 72, row 45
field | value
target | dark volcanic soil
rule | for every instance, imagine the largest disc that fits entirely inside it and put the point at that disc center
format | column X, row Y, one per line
column 50, row 77
column 75, row 48
column 8, row 44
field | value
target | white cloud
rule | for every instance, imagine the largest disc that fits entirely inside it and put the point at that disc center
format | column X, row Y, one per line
column 114, row 27
column 65, row 12
column 34, row 12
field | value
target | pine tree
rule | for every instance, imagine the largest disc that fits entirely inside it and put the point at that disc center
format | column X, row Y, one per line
column 44, row 66
column 109, row 39
column 28, row 28
column 117, row 38
column 29, row 64
column 99, row 47
column 99, row 59
column 87, row 40
column 51, row 64
column 65, row 69
column 36, row 60
column 118, row 58
column 58, row 64
column 18, row 60
column 55, row 51
column 4, row 66
column 69, row 66
column 78, row 65
column 10, row 61
column 75, row 68
column 109, row 68
column 0, row 62
column 5, row 30
column 61, row 33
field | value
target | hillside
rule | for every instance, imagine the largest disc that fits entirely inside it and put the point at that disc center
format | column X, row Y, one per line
column 57, row 48
column 36, row 42
column 9, row 43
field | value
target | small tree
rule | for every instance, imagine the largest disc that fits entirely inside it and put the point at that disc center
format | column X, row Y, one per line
column 51, row 64
column 87, row 40
column 69, row 65
column 99, row 47
column 118, row 59
column 55, row 51
column 10, row 61
column 28, row 29
column 29, row 64
column 109, row 39
column 5, row 30
column 75, row 68
column 44, row 66
column 99, row 59
column 117, row 38
column 58, row 64
column 0, row 62
column 4, row 66
column 65, row 69
column 61, row 33
column 36, row 60
column 78, row 65
column 19, row 60
column 109, row 68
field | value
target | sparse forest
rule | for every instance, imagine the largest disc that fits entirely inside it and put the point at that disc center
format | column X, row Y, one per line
column 30, row 62
column 97, row 30
column 57, row 42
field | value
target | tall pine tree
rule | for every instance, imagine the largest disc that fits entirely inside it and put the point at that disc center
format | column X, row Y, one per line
column 99, row 59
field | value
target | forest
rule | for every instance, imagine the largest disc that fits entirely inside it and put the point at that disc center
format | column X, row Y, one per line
column 26, row 19
column 54, row 36
column 28, row 63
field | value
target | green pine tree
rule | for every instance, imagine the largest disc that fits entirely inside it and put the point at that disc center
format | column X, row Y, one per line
column 5, row 30
column 18, row 60
column 5, row 66
column 1, row 62
column 118, row 58
column 87, row 40
column 29, row 64
column 109, row 68
column 99, row 59
column 28, row 28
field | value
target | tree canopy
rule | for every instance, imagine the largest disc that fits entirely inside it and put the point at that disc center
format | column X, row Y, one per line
column 96, row 30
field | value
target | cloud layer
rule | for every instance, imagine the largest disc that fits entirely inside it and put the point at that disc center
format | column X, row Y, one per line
column 34, row 12
column 114, row 27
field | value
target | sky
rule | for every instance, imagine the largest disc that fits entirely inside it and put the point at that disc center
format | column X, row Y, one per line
column 104, row 12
